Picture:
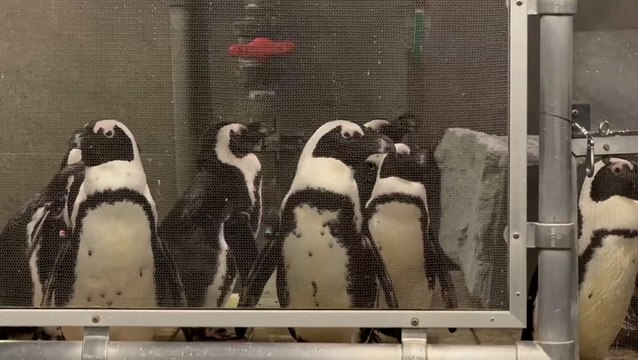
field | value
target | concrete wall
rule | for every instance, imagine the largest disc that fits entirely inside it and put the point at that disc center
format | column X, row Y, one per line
column 64, row 63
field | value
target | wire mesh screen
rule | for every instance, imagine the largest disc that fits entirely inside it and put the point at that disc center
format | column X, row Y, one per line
column 609, row 55
column 228, row 112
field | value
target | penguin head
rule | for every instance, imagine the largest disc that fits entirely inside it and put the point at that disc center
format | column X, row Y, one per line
column 614, row 177
column 73, row 154
column 403, row 164
column 396, row 130
column 104, row 141
column 347, row 142
column 225, row 140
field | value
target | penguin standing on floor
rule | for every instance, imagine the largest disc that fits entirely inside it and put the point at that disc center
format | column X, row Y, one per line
column 211, row 231
column 114, row 257
column 607, row 255
column 32, row 240
column 396, row 219
column 321, row 259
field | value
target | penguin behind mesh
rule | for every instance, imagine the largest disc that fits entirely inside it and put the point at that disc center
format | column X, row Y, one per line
column 114, row 258
column 396, row 219
column 608, row 256
column 32, row 239
column 211, row 231
column 321, row 259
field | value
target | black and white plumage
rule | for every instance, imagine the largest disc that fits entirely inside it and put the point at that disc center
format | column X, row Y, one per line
column 397, row 220
column 321, row 259
column 211, row 231
column 608, row 256
column 33, row 238
column 114, row 257
column 397, row 129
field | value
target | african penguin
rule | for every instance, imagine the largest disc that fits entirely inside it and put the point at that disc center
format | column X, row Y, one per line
column 114, row 257
column 32, row 240
column 607, row 256
column 320, row 257
column 396, row 219
column 211, row 231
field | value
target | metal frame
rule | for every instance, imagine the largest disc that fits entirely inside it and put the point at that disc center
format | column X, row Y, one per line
column 514, row 318
column 282, row 351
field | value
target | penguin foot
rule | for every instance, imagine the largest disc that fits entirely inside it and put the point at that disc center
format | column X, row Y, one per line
column 210, row 334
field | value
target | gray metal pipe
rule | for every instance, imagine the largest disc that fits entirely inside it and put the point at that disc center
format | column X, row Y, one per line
column 282, row 351
column 191, row 83
column 556, row 267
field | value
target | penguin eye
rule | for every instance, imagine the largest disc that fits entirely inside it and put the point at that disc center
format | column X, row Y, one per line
column 347, row 134
column 109, row 133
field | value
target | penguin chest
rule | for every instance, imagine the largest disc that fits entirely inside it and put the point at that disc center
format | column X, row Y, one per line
column 115, row 263
column 316, row 262
column 224, row 280
column 397, row 231
column 605, row 294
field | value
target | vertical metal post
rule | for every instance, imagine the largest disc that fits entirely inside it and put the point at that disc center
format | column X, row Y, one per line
column 191, row 83
column 556, row 266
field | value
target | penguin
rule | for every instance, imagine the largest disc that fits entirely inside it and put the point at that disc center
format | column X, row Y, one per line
column 211, row 231
column 397, row 220
column 32, row 240
column 321, row 259
column 607, row 255
column 114, row 257
column 396, row 131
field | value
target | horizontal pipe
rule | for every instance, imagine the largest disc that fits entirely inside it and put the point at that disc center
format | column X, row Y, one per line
column 206, row 350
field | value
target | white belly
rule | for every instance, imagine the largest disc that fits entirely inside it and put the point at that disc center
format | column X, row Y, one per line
column 115, row 265
column 316, row 271
column 119, row 272
column 396, row 231
column 215, row 290
column 605, row 295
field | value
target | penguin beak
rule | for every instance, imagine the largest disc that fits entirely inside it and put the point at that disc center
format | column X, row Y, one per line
column 256, row 134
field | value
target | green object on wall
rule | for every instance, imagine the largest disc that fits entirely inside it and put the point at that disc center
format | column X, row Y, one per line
column 419, row 33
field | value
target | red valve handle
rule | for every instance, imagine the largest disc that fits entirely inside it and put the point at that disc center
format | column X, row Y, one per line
column 262, row 49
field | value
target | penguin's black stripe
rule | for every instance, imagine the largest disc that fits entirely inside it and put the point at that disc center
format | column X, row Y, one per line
column 595, row 243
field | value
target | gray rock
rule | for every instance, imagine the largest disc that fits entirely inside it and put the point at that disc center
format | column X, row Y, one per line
column 474, row 207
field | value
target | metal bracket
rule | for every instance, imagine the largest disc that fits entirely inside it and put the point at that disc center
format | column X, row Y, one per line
column 552, row 7
column 581, row 114
column 96, row 343
column 550, row 236
column 414, row 344
column 621, row 144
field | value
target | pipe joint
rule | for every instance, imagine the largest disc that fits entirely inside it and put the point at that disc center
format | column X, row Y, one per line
column 552, row 7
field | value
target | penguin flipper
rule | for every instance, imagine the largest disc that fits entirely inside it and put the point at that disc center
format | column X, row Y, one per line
column 55, row 289
column 528, row 333
column 438, row 267
column 380, row 272
column 170, row 286
column 241, row 241
column 261, row 272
